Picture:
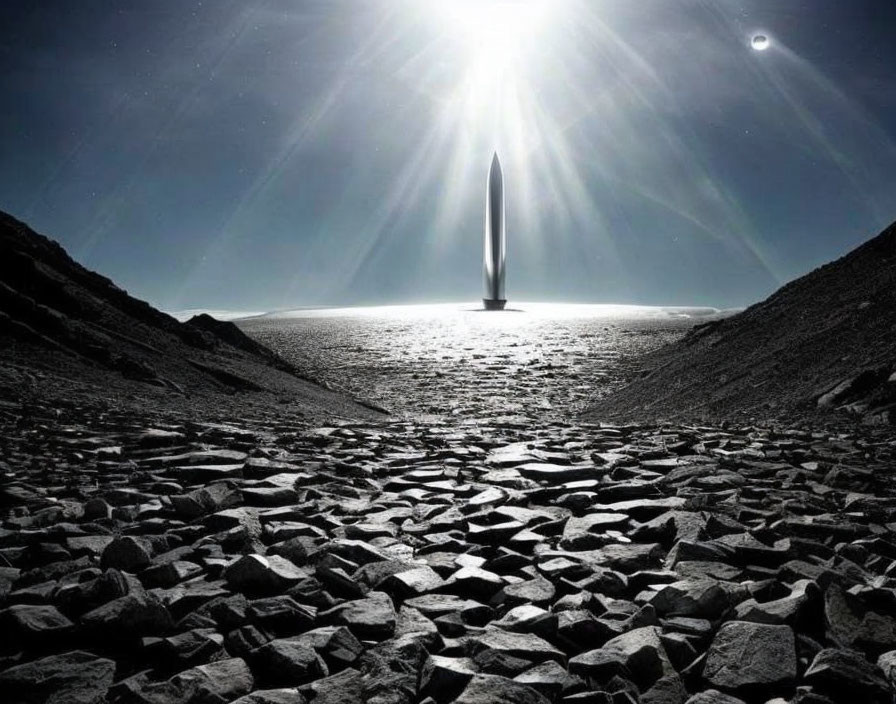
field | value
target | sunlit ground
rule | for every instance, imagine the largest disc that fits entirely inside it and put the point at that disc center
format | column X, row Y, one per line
column 537, row 361
column 517, row 313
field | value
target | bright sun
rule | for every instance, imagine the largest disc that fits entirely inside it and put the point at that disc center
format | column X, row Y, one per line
column 497, row 59
column 494, row 33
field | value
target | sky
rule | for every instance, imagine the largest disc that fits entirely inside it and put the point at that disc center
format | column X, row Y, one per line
column 274, row 154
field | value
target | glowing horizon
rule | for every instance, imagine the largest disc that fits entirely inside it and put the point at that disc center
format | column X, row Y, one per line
column 539, row 309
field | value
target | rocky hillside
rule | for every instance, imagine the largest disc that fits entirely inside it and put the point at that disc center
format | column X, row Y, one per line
column 825, row 342
column 67, row 330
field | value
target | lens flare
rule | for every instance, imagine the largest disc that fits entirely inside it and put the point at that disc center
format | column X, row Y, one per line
column 760, row 42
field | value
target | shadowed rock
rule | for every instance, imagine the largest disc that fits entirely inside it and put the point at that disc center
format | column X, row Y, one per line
column 77, row 327
column 71, row 678
column 822, row 342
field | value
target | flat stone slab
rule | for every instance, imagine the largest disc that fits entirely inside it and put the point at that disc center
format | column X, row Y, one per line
column 557, row 473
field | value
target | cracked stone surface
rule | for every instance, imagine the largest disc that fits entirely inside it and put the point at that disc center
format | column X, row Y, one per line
column 469, row 556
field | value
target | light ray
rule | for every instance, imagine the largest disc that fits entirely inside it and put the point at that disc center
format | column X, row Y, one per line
column 302, row 129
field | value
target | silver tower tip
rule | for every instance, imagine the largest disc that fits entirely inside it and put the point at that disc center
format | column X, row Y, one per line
column 493, row 264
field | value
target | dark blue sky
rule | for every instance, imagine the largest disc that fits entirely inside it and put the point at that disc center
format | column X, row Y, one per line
column 258, row 155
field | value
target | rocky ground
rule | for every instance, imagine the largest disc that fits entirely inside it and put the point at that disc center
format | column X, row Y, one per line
column 459, row 558
column 534, row 362
column 177, row 526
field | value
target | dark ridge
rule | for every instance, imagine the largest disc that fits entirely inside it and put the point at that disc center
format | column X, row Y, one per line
column 38, row 267
column 228, row 379
column 75, row 325
column 824, row 342
column 228, row 332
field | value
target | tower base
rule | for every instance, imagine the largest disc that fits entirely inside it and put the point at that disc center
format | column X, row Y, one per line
column 494, row 303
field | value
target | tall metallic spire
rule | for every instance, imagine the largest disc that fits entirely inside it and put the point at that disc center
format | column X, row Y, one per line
column 493, row 258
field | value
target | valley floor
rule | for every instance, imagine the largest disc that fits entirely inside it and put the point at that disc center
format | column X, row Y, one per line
column 479, row 546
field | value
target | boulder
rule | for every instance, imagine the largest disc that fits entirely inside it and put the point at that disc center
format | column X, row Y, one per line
column 642, row 654
column 126, row 553
column 852, row 623
column 668, row 689
column 335, row 644
column 751, row 657
column 887, row 663
column 697, row 598
column 845, row 674
column 473, row 582
column 221, row 681
column 345, row 687
column 525, row 646
column 169, row 574
column 493, row 689
column 415, row 625
column 71, row 678
column 801, row 607
column 33, row 623
column 412, row 582
column 281, row 615
column 259, row 574
column 129, row 617
column 583, row 532
column 371, row 618
column 529, row 619
column 391, row 671
column 537, row 591
column 550, row 679
column 288, row 661
column 443, row 678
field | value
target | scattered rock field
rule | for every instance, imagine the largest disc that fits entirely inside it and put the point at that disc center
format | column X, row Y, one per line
column 267, row 562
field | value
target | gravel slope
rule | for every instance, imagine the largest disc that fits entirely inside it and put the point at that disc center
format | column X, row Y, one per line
column 824, row 342
column 68, row 332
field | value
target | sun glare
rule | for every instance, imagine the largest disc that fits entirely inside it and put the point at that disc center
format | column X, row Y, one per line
column 493, row 33
column 499, row 63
